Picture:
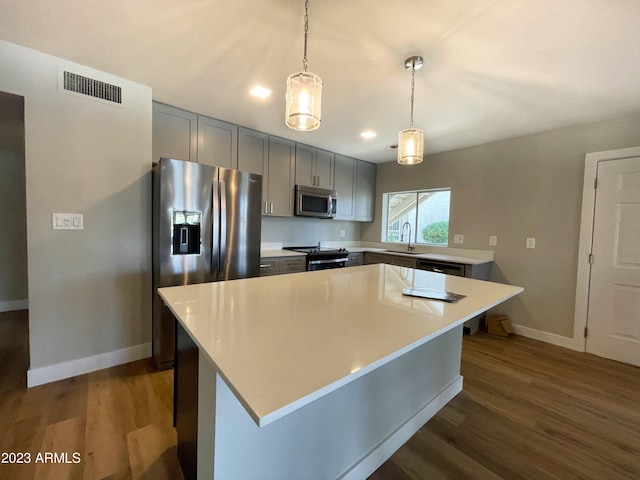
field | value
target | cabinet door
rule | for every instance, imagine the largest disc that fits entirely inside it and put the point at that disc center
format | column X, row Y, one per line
column 174, row 133
column 281, row 181
column 217, row 143
column 345, row 184
column 365, row 191
column 305, row 165
column 253, row 157
column 325, row 164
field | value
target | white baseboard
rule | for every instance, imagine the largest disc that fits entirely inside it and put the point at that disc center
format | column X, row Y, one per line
column 380, row 454
column 13, row 305
column 567, row 342
column 72, row 368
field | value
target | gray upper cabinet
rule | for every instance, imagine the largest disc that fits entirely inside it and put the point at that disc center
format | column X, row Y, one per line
column 217, row 143
column 175, row 133
column 273, row 158
column 281, row 177
column 365, row 191
column 253, row 157
column 345, row 187
column 282, row 163
column 314, row 167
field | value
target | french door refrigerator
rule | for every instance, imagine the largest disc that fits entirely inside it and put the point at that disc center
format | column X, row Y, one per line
column 206, row 228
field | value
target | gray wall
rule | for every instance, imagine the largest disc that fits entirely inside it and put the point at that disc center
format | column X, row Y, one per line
column 13, row 221
column 299, row 231
column 89, row 291
column 528, row 186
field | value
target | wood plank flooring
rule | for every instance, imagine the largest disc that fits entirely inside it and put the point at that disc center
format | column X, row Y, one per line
column 528, row 410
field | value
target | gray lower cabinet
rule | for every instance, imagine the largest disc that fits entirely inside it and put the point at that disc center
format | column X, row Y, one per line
column 355, row 259
column 281, row 265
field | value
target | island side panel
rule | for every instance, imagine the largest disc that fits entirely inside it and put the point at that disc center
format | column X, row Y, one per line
column 346, row 434
column 185, row 401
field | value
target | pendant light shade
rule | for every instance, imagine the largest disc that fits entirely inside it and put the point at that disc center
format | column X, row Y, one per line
column 411, row 140
column 410, row 146
column 304, row 92
column 304, row 101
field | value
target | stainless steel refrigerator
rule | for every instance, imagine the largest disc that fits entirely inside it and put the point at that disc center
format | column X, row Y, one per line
column 206, row 228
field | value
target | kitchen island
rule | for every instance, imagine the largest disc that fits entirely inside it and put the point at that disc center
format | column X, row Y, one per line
column 314, row 375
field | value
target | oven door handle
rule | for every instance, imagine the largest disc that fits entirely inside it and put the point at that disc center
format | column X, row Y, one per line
column 326, row 261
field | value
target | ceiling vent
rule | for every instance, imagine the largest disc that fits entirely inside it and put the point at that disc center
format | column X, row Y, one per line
column 91, row 87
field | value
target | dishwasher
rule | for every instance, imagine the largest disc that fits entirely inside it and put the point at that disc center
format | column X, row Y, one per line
column 458, row 269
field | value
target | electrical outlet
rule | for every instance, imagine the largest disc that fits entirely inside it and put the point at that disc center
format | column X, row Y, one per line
column 493, row 240
column 531, row 242
column 457, row 238
column 343, row 233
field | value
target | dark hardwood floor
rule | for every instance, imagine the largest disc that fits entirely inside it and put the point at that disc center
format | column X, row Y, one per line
column 14, row 349
column 528, row 410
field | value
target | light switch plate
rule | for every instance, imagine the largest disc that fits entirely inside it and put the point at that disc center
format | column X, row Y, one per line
column 457, row 238
column 493, row 240
column 531, row 242
column 67, row 221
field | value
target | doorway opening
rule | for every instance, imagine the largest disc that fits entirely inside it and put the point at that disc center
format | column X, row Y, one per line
column 14, row 315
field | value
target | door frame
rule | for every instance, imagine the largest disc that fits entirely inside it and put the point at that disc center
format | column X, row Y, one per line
column 583, row 279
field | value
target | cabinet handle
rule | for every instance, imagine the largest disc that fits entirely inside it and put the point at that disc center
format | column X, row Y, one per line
column 438, row 270
column 262, row 265
column 271, row 207
column 265, row 208
column 318, row 184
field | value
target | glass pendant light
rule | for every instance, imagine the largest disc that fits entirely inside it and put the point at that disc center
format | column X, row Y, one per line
column 304, row 92
column 411, row 140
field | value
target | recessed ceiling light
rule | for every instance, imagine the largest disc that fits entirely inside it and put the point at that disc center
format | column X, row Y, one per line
column 260, row 92
column 368, row 134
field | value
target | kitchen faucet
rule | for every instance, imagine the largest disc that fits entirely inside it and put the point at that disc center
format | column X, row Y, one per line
column 409, row 246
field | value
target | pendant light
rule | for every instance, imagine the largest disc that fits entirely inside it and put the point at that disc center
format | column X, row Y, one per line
column 304, row 92
column 411, row 140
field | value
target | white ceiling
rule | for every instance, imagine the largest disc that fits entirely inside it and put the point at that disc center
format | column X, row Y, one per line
column 493, row 69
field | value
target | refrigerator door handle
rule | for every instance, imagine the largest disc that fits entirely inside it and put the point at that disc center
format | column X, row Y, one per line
column 223, row 228
column 215, row 230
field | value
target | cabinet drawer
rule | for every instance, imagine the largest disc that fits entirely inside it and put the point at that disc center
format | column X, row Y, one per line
column 370, row 258
column 355, row 259
column 289, row 265
column 442, row 267
column 403, row 261
column 269, row 266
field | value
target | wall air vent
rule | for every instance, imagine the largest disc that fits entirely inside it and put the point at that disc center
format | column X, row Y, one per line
column 93, row 88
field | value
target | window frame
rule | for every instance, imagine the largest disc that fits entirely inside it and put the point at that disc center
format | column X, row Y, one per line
column 414, row 234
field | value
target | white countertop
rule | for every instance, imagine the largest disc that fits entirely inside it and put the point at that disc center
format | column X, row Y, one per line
column 444, row 254
column 280, row 253
column 280, row 342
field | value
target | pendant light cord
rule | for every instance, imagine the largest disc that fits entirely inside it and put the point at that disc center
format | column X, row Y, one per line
column 306, row 33
column 413, row 83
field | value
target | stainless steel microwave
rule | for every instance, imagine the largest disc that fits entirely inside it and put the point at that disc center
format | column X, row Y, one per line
column 315, row 202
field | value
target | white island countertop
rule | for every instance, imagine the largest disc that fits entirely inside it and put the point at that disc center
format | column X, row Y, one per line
column 281, row 342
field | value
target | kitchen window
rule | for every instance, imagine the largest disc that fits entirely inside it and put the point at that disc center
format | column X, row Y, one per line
column 427, row 211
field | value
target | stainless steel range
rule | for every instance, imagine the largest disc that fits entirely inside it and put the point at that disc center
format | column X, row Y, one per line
column 322, row 258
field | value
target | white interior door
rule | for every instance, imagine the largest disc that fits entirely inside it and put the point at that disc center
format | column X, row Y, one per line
column 614, row 297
